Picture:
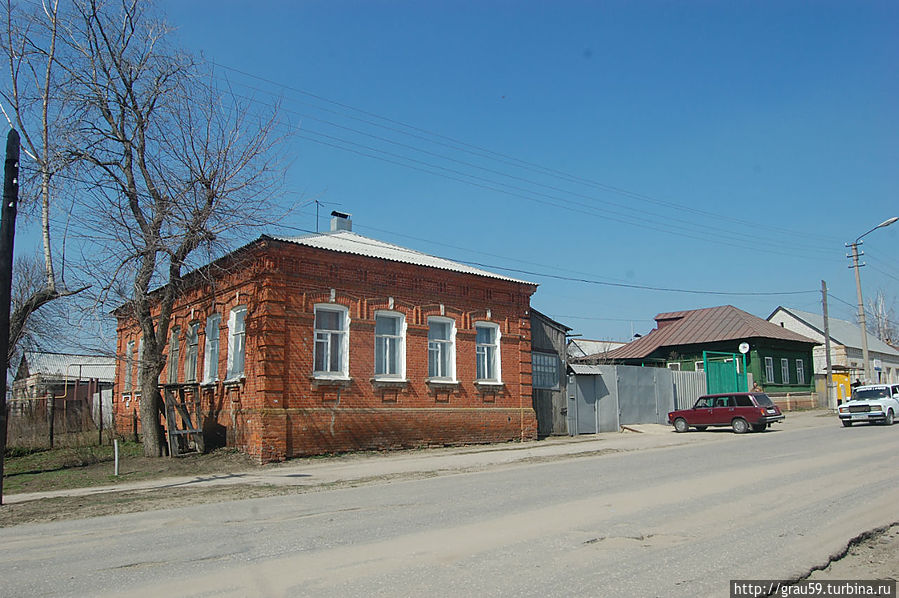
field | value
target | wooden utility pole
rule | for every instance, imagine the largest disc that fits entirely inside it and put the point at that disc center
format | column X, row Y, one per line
column 828, row 384
column 7, row 235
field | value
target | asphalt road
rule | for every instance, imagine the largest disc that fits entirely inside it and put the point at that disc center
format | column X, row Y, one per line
column 676, row 520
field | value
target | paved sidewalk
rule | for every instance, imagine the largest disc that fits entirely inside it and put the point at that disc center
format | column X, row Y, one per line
column 367, row 466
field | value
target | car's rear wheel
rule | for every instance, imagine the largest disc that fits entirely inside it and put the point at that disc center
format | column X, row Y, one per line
column 889, row 418
column 759, row 427
column 680, row 425
column 740, row 426
column 847, row 423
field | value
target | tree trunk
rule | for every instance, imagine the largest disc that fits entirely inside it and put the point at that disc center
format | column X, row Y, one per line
column 150, row 409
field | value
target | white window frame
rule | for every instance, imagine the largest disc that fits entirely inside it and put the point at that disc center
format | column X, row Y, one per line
column 129, row 366
column 699, row 366
column 443, row 347
column 331, row 340
column 237, row 342
column 385, row 341
column 800, row 371
column 785, row 369
column 211, row 348
column 769, row 370
column 192, row 341
column 674, row 366
column 483, row 357
column 174, row 354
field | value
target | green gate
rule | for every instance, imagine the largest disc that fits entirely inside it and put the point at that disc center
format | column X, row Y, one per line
column 725, row 372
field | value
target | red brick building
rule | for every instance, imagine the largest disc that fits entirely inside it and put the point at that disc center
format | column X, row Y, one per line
column 338, row 342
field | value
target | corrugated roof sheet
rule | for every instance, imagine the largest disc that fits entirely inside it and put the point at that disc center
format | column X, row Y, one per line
column 350, row 242
column 707, row 325
column 581, row 347
column 64, row 365
column 841, row 331
column 581, row 368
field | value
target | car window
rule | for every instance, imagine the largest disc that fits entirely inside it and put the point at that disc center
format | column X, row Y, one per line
column 763, row 400
column 744, row 401
column 870, row 393
column 704, row 402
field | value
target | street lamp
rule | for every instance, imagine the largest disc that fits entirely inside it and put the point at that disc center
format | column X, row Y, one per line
column 858, row 288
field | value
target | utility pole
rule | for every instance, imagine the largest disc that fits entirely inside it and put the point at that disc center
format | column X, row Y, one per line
column 7, row 235
column 861, row 311
column 828, row 384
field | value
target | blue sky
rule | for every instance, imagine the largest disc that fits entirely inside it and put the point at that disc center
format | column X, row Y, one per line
column 708, row 146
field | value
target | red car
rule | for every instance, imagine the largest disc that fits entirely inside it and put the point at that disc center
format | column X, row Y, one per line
column 740, row 410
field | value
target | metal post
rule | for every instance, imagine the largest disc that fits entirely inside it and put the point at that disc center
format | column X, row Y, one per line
column 7, row 236
column 861, row 312
column 828, row 381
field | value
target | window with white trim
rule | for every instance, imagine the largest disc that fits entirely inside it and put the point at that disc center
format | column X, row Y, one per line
column 487, row 351
column 390, row 350
column 545, row 369
column 785, row 370
column 699, row 366
column 674, row 365
column 192, row 341
column 129, row 366
column 331, row 341
column 211, row 349
column 442, row 348
column 769, row 370
column 800, row 371
column 174, row 354
column 237, row 342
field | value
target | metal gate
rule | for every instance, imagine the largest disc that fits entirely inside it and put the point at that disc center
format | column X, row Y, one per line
column 723, row 372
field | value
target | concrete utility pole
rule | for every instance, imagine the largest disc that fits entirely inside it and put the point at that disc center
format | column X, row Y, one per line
column 828, row 384
column 7, row 235
column 858, row 287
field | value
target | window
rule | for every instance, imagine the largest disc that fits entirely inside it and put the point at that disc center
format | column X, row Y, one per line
column 769, row 370
column 237, row 342
column 211, row 350
column 390, row 353
column 487, row 351
column 744, row 401
column 174, row 351
column 441, row 348
column 674, row 365
column 129, row 366
column 331, row 340
column 785, row 370
column 800, row 372
column 193, row 350
column 699, row 366
column 545, row 368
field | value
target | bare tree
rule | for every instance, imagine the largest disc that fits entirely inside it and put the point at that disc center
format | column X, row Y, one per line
column 882, row 323
column 32, row 104
column 175, row 164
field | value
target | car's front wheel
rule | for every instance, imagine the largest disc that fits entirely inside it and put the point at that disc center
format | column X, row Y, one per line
column 740, row 426
column 847, row 423
column 680, row 425
column 889, row 418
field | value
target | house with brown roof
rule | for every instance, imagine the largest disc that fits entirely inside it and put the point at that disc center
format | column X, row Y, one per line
column 703, row 339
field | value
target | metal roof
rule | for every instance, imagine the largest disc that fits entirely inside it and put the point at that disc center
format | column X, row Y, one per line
column 582, row 347
column 842, row 332
column 581, row 368
column 61, row 365
column 698, row 326
column 349, row 242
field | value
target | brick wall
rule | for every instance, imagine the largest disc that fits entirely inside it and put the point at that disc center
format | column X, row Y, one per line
column 278, row 410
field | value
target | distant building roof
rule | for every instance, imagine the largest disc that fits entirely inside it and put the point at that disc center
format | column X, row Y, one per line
column 584, row 369
column 582, row 347
column 349, row 242
column 698, row 326
column 550, row 321
column 62, row 365
column 842, row 332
